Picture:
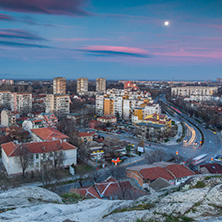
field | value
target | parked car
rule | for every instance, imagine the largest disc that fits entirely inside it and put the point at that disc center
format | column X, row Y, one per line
column 218, row 158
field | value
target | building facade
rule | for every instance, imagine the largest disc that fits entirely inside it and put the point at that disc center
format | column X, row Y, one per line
column 39, row 153
column 59, row 85
column 5, row 99
column 187, row 91
column 100, row 85
column 59, row 104
column 82, row 85
column 21, row 102
column 8, row 118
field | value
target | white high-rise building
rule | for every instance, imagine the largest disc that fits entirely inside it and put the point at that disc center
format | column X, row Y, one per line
column 82, row 85
column 100, row 85
column 21, row 102
column 59, row 86
column 99, row 105
column 57, row 103
column 5, row 99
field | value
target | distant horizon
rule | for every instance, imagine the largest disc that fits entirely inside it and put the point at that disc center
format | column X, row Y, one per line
column 94, row 79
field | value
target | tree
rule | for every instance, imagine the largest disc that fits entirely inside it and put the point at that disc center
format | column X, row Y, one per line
column 25, row 158
column 155, row 156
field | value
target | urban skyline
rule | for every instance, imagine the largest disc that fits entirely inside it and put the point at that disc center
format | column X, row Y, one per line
column 112, row 40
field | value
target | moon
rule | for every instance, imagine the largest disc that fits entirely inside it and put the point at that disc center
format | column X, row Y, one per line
column 166, row 23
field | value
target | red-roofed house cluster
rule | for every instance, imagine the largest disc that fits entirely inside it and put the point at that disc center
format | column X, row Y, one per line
column 146, row 174
column 110, row 189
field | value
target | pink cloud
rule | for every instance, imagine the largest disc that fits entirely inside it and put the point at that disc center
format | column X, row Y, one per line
column 58, row 7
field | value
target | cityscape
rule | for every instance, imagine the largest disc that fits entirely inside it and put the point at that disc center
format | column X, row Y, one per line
column 137, row 137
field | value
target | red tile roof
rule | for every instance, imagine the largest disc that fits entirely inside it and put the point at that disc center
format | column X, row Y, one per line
column 213, row 167
column 179, row 170
column 83, row 134
column 49, row 134
column 12, row 149
column 89, row 192
column 155, row 172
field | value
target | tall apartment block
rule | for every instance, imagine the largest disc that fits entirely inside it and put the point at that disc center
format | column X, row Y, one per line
column 82, row 85
column 57, row 103
column 5, row 99
column 21, row 102
column 100, row 85
column 59, row 86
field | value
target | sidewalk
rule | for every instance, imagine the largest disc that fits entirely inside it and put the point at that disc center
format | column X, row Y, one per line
column 132, row 160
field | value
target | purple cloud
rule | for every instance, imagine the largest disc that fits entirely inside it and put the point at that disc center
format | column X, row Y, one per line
column 6, row 17
column 22, row 45
column 57, row 7
column 18, row 34
column 104, row 50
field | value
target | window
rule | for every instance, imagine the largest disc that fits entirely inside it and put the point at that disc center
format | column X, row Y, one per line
column 37, row 156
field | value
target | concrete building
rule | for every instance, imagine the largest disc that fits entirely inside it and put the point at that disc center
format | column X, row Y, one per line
column 187, row 91
column 38, row 153
column 5, row 99
column 59, row 85
column 21, row 102
column 47, row 134
column 99, row 105
column 108, row 107
column 8, row 118
column 100, row 85
column 82, row 85
column 59, row 104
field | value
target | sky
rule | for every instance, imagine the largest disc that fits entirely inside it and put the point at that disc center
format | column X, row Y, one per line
column 119, row 39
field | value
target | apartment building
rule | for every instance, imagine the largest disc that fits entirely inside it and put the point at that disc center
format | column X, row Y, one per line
column 59, row 85
column 100, row 85
column 82, row 85
column 57, row 103
column 187, row 91
column 21, row 102
column 120, row 101
column 5, row 99
column 99, row 104
column 8, row 118
column 108, row 107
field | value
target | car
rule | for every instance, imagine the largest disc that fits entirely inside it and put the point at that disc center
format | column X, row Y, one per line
column 184, row 141
column 196, row 143
column 214, row 132
column 218, row 158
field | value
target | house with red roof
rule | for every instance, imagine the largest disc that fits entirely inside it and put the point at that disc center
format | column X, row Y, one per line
column 85, row 136
column 38, row 153
column 146, row 174
column 47, row 134
column 213, row 168
column 111, row 189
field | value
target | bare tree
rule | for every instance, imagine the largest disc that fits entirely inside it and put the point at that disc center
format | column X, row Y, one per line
column 25, row 158
column 155, row 156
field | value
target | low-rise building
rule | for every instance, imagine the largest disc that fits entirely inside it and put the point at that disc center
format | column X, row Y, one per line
column 107, row 119
column 47, row 134
column 146, row 174
column 85, row 136
column 38, row 153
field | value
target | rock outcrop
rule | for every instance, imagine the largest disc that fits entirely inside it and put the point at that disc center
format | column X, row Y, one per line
column 199, row 199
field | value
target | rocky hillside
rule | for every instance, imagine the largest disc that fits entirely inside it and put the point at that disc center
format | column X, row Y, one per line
column 199, row 199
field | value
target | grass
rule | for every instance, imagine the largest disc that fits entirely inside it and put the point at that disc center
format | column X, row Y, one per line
column 199, row 184
column 71, row 197
column 82, row 168
column 213, row 176
column 171, row 218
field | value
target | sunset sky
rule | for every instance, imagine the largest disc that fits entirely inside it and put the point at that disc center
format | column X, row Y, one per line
column 119, row 39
